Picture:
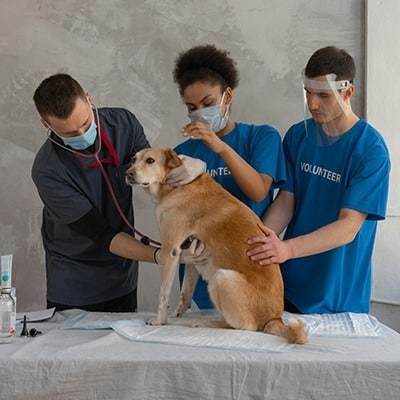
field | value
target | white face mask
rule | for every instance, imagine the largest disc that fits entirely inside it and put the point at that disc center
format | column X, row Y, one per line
column 212, row 116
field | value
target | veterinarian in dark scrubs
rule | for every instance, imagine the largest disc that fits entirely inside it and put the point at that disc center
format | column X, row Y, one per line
column 91, row 255
column 247, row 160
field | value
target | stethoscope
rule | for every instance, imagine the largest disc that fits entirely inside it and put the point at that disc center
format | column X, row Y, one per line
column 143, row 238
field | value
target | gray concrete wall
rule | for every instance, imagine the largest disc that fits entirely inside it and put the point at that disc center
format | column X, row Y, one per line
column 122, row 52
column 382, row 103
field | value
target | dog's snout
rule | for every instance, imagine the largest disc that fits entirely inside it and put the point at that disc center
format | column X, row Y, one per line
column 130, row 173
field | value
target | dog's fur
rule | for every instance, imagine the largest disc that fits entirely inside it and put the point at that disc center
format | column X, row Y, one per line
column 248, row 296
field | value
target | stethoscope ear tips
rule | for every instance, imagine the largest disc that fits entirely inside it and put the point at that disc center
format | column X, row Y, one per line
column 24, row 331
column 32, row 332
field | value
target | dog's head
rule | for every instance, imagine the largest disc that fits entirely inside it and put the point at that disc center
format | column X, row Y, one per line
column 150, row 167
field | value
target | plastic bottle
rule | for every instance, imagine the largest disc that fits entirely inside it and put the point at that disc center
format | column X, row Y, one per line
column 7, row 303
column 14, row 314
column 7, row 330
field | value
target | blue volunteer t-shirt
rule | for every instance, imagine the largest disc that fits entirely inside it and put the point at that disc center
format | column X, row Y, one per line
column 352, row 172
column 261, row 147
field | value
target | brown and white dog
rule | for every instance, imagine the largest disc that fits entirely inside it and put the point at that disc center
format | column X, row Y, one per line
column 248, row 296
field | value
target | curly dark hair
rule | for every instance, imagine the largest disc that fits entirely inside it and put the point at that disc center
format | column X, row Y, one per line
column 205, row 63
column 331, row 59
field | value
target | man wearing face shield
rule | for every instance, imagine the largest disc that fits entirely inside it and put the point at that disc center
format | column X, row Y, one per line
column 246, row 159
column 91, row 253
column 336, row 190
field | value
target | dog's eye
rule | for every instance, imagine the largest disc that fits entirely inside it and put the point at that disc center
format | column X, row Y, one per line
column 150, row 160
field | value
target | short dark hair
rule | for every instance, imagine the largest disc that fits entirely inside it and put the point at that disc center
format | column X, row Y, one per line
column 205, row 63
column 331, row 60
column 56, row 96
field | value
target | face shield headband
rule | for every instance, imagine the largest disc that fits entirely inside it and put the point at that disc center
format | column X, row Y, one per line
column 329, row 84
column 322, row 117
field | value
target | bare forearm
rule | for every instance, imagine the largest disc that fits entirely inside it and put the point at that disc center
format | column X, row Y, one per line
column 253, row 184
column 328, row 237
column 338, row 233
column 321, row 240
column 126, row 246
column 280, row 212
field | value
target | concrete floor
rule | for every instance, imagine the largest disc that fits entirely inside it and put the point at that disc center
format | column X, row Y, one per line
column 388, row 314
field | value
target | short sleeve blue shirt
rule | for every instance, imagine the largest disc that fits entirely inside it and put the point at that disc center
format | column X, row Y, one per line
column 259, row 145
column 352, row 172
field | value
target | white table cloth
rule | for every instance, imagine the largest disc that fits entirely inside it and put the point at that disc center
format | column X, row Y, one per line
column 76, row 362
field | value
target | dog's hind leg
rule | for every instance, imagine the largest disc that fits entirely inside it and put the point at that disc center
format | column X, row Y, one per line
column 211, row 324
column 230, row 293
column 185, row 298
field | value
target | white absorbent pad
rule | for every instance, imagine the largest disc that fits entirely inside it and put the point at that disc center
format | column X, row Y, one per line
column 342, row 325
column 178, row 331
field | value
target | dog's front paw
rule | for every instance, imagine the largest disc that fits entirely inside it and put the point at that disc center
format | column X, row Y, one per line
column 176, row 314
column 154, row 322
column 179, row 311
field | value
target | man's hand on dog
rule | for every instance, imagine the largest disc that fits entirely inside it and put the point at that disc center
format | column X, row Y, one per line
column 190, row 169
column 270, row 250
column 196, row 253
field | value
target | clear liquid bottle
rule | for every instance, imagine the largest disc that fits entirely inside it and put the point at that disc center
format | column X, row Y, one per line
column 7, row 330
column 7, row 303
column 14, row 314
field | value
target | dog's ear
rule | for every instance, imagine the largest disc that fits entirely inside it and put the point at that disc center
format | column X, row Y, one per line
column 173, row 160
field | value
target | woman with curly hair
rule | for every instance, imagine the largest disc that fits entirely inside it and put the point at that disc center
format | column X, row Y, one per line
column 247, row 160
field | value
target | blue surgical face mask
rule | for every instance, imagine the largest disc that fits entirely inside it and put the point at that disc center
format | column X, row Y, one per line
column 82, row 142
column 212, row 116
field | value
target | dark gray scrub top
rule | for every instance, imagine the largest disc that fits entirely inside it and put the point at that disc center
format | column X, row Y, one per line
column 79, row 271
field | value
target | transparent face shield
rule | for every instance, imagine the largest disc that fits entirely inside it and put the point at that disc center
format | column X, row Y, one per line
column 325, row 108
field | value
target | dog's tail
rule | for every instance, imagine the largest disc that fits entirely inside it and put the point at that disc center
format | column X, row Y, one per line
column 293, row 332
